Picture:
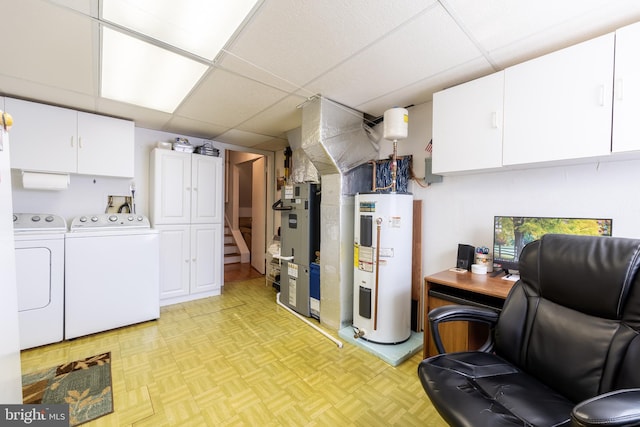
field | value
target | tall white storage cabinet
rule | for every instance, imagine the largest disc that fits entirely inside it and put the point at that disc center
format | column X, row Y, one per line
column 186, row 207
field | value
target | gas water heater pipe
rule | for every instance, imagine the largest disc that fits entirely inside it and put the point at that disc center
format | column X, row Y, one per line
column 375, row 303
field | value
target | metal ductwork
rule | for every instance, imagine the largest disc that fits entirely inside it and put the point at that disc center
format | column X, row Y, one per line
column 333, row 137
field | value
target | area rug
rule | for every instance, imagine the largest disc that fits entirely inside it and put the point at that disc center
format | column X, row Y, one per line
column 85, row 385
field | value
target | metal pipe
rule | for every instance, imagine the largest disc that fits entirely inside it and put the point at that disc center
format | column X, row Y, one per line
column 394, row 166
column 375, row 304
column 338, row 342
column 357, row 332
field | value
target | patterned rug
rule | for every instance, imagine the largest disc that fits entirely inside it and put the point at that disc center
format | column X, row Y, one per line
column 85, row 385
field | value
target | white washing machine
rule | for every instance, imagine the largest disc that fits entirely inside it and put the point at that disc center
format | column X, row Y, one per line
column 111, row 273
column 39, row 243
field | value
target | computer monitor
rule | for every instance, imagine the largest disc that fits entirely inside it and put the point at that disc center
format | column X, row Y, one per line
column 512, row 233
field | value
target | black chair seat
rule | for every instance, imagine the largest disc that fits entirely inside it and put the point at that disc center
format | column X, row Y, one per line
column 490, row 391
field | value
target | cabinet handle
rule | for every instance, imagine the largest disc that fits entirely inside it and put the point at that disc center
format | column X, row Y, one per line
column 72, row 142
column 618, row 89
column 194, row 260
column 195, row 188
column 494, row 120
column 79, row 142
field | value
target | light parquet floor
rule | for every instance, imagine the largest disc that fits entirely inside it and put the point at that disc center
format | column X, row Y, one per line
column 239, row 359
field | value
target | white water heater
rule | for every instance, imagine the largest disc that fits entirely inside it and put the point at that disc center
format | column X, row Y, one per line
column 383, row 232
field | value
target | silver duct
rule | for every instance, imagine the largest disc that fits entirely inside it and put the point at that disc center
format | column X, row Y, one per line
column 333, row 137
column 302, row 169
column 335, row 142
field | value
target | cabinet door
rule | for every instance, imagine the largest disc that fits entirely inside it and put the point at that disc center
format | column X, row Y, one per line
column 626, row 98
column 454, row 335
column 206, row 257
column 207, row 189
column 171, row 187
column 43, row 137
column 467, row 126
column 105, row 145
column 558, row 106
column 175, row 262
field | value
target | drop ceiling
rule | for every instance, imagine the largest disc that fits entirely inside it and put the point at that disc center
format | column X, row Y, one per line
column 367, row 54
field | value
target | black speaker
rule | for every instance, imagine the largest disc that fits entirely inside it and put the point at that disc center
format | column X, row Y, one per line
column 465, row 256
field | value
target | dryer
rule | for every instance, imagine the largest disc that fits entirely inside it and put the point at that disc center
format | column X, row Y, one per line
column 39, row 244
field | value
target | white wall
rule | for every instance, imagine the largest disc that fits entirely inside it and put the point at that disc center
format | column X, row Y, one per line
column 88, row 194
column 462, row 207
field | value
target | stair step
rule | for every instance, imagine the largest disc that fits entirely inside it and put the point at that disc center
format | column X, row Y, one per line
column 232, row 258
column 231, row 249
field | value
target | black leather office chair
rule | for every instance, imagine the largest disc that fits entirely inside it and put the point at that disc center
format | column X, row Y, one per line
column 564, row 350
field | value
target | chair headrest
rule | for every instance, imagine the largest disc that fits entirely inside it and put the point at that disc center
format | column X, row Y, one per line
column 587, row 273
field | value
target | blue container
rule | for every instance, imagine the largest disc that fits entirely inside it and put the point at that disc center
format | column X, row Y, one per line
column 314, row 290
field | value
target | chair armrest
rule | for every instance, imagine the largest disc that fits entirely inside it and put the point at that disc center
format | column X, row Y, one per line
column 617, row 408
column 450, row 313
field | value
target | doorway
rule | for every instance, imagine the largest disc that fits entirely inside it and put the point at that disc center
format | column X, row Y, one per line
column 245, row 213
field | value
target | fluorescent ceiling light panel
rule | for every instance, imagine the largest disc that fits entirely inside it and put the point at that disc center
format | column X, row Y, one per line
column 201, row 27
column 140, row 73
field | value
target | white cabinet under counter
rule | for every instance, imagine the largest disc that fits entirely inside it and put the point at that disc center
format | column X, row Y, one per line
column 54, row 139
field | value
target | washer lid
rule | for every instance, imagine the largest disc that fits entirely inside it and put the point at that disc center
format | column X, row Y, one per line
column 30, row 222
column 112, row 221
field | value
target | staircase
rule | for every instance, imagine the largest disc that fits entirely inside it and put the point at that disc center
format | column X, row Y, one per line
column 231, row 252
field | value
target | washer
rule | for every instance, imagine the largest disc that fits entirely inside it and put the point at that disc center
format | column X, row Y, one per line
column 111, row 273
column 39, row 243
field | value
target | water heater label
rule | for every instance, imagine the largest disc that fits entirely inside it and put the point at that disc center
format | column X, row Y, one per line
column 386, row 252
column 288, row 192
column 292, row 270
column 367, row 206
column 395, row 222
column 292, row 292
column 365, row 259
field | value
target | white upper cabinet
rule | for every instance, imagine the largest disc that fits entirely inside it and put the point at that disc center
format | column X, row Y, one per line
column 186, row 188
column 43, row 137
column 170, row 187
column 558, row 106
column 54, row 139
column 626, row 95
column 206, row 182
column 105, row 145
column 467, row 126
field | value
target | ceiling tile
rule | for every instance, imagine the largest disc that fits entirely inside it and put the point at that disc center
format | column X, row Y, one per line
column 49, row 45
column 223, row 97
column 27, row 89
column 242, row 67
column 298, row 40
column 422, row 91
column 515, row 31
column 197, row 128
column 277, row 119
column 392, row 63
column 242, row 138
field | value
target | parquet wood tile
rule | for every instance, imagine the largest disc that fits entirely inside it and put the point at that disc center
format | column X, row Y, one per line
column 239, row 359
